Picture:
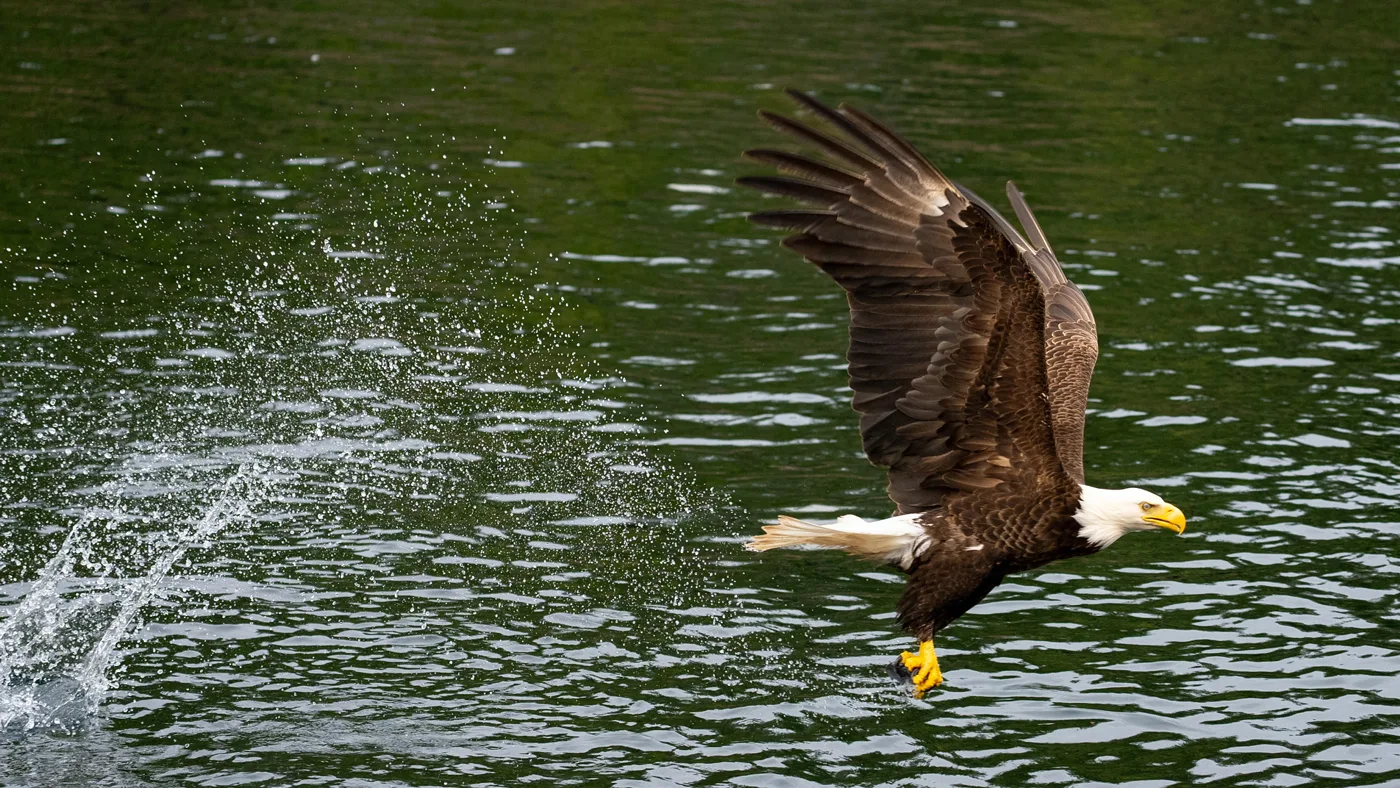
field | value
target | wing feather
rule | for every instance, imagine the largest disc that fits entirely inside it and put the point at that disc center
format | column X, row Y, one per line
column 803, row 166
column 1032, row 227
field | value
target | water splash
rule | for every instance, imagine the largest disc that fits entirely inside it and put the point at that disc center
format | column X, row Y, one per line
column 58, row 647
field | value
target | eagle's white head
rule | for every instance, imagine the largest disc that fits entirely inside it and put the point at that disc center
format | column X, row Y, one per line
column 1105, row 515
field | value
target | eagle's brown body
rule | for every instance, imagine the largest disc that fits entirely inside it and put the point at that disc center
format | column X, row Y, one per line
column 947, row 582
column 970, row 357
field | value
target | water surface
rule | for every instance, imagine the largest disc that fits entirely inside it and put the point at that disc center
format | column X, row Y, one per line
column 388, row 393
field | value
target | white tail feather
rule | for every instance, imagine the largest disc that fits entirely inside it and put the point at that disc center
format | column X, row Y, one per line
column 896, row 540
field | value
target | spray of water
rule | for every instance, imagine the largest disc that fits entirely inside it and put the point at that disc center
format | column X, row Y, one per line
column 59, row 644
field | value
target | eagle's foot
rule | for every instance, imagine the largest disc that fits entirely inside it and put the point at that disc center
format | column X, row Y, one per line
column 923, row 668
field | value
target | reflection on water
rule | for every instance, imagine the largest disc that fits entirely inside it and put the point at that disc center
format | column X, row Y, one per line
column 393, row 400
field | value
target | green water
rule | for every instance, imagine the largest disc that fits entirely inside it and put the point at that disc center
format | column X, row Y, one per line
column 428, row 347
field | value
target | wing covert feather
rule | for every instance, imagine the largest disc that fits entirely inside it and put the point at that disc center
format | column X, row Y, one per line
column 1071, row 339
column 1071, row 336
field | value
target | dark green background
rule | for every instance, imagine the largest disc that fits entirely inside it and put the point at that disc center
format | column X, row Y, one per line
column 499, row 463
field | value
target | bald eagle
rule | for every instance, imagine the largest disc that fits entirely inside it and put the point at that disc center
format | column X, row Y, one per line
column 969, row 360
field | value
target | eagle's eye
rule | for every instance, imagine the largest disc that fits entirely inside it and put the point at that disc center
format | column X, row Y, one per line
column 1146, row 507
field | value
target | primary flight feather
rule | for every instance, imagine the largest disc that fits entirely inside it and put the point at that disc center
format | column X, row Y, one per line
column 970, row 358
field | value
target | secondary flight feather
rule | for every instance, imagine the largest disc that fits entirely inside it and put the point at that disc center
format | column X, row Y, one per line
column 970, row 358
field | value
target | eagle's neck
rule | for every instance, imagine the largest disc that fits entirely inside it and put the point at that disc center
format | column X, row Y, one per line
column 1100, row 516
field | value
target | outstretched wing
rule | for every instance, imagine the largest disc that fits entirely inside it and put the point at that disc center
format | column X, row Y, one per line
column 947, row 351
column 1071, row 336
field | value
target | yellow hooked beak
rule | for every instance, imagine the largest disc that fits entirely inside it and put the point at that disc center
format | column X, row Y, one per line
column 1166, row 516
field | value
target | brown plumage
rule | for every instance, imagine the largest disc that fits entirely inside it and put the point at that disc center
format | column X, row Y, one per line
column 970, row 358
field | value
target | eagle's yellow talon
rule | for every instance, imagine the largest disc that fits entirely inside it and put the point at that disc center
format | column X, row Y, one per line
column 911, row 662
column 928, row 680
column 923, row 668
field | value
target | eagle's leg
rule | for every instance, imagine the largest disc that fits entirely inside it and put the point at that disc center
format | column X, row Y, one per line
column 923, row 668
